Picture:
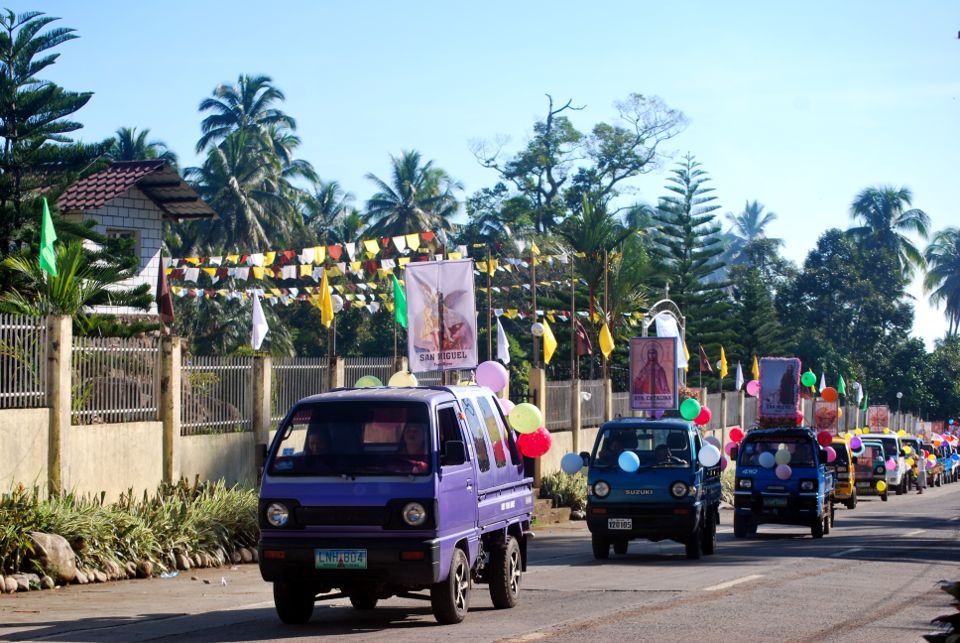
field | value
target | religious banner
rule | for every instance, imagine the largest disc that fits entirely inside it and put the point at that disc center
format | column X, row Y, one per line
column 826, row 416
column 878, row 417
column 653, row 373
column 442, row 318
column 779, row 387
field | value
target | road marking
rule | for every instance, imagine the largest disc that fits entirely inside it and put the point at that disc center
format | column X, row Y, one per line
column 916, row 532
column 954, row 518
column 731, row 583
column 837, row 554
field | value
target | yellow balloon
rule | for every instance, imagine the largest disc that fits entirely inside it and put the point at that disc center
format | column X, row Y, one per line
column 909, row 462
column 839, row 413
column 402, row 378
column 907, row 450
column 901, row 433
column 881, row 486
column 858, row 432
column 886, row 429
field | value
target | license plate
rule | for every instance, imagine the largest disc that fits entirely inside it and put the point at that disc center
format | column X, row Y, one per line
column 340, row 558
column 619, row 523
column 861, row 485
column 774, row 502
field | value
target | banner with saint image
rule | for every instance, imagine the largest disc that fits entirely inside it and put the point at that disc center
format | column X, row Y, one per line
column 653, row 373
column 878, row 417
column 442, row 317
column 826, row 416
column 779, row 387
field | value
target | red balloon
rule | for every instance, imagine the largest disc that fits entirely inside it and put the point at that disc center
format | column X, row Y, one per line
column 825, row 438
column 736, row 434
column 703, row 417
column 534, row 445
column 799, row 418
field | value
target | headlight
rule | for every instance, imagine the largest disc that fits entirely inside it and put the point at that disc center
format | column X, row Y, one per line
column 414, row 514
column 808, row 485
column 678, row 489
column 601, row 489
column 880, row 469
column 277, row 514
column 745, row 483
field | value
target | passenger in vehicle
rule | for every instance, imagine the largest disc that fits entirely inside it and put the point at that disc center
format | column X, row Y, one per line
column 317, row 442
column 413, row 446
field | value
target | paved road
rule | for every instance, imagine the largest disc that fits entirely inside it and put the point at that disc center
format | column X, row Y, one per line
column 872, row 579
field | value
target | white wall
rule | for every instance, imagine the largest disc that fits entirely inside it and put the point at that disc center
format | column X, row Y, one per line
column 23, row 447
column 113, row 458
column 224, row 456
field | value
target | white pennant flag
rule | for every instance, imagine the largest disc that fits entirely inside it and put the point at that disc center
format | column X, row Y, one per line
column 739, row 376
column 859, row 394
column 823, row 381
column 260, row 327
column 503, row 347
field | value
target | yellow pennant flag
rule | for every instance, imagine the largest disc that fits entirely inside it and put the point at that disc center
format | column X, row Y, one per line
column 549, row 342
column 326, row 303
column 723, row 363
column 606, row 341
column 756, row 369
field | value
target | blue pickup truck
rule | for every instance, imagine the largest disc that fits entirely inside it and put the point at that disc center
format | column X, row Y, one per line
column 782, row 478
column 664, row 494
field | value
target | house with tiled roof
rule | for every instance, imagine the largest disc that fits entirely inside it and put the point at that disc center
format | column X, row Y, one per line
column 131, row 199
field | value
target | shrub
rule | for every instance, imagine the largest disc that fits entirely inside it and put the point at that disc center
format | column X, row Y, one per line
column 727, row 480
column 565, row 490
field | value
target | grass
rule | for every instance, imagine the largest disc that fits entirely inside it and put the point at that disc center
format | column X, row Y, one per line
column 176, row 519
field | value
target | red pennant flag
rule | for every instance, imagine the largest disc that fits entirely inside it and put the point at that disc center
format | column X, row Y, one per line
column 705, row 362
column 164, row 300
column 584, row 346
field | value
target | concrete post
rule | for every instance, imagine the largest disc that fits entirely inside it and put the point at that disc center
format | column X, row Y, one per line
column 576, row 413
column 723, row 418
column 607, row 400
column 743, row 410
column 538, row 389
column 170, row 399
column 338, row 374
column 59, row 371
column 262, row 396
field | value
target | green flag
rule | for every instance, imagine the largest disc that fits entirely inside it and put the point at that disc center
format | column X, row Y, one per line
column 48, row 256
column 866, row 402
column 399, row 303
column 842, row 387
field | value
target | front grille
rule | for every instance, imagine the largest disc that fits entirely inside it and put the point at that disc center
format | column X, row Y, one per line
column 354, row 516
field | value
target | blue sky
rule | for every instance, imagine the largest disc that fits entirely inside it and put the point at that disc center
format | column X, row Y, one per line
column 798, row 105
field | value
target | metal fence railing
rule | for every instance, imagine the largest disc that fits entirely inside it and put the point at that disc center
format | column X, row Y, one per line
column 432, row 378
column 294, row 378
column 217, row 395
column 356, row 367
column 591, row 410
column 115, row 380
column 558, row 404
column 23, row 362
column 621, row 405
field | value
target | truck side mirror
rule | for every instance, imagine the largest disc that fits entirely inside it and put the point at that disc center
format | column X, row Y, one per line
column 585, row 456
column 855, row 459
column 734, row 453
column 823, row 456
column 454, row 452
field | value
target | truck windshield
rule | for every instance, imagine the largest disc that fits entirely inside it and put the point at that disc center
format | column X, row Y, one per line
column 800, row 449
column 655, row 447
column 354, row 439
column 841, row 459
column 889, row 446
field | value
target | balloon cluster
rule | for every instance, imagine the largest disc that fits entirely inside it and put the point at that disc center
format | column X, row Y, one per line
column 525, row 418
column 691, row 411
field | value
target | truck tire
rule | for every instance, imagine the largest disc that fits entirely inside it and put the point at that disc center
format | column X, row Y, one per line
column 601, row 547
column 852, row 502
column 450, row 598
column 294, row 603
column 899, row 489
column 826, row 524
column 710, row 532
column 694, row 544
column 816, row 529
column 741, row 527
column 620, row 547
column 883, row 496
column 504, row 574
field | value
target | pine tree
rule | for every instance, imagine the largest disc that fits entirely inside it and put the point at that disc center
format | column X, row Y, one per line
column 758, row 328
column 687, row 246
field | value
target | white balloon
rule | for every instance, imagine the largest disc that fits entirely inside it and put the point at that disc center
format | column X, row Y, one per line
column 536, row 329
column 709, row 455
column 767, row 460
column 337, row 302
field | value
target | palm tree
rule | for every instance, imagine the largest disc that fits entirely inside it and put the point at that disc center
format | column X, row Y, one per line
column 79, row 284
column 130, row 145
column 418, row 198
column 942, row 280
column 883, row 217
column 748, row 230
column 324, row 209
column 248, row 105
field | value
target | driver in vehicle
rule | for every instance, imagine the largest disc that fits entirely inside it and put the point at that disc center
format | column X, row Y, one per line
column 413, row 445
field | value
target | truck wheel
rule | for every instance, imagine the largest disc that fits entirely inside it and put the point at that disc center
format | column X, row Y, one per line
column 620, row 547
column 694, row 544
column 294, row 603
column 364, row 599
column 740, row 527
column 883, row 496
column 601, row 547
column 710, row 532
column 852, row 503
column 833, row 515
column 817, row 530
column 450, row 598
column 826, row 524
column 504, row 575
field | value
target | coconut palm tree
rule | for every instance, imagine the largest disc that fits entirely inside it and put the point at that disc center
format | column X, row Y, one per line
column 942, row 280
column 324, row 209
column 747, row 234
column 247, row 105
column 883, row 216
column 419, row 197
column 130, row 145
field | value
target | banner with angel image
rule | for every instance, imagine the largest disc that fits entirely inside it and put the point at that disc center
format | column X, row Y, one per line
column 442, row 317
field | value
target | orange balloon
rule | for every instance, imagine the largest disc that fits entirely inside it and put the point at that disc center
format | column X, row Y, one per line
column 829, row 394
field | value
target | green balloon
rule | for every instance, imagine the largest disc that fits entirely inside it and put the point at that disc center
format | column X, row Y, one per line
column 808, row 379
column 525, row 418
column 368, row 381
column 690, row 409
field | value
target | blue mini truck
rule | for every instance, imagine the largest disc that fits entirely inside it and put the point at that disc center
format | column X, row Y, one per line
column 804, row 497
column 670, row 495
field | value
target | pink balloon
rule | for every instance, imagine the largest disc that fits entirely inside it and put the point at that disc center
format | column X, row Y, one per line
column 723, row 464
column 703, row 417
column 753, row 388
column 534, row 445
column 831, row 454
column 736, row 434
column 728, row 447
column 492, row 375
column 783, row 471
column 506, row 405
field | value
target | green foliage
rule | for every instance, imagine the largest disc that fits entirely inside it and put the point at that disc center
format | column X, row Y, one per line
column 181, row 518
column 727, row 480
column 758, row 330
column 565, row 490
column 942, row 280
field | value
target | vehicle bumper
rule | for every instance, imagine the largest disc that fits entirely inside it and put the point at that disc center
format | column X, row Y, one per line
column 654, row 521
column 869, row 488
column 384, row 565
column 843, row 490
column 787, row 509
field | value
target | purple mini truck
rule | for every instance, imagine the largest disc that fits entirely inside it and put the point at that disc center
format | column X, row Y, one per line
column 378, row 492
